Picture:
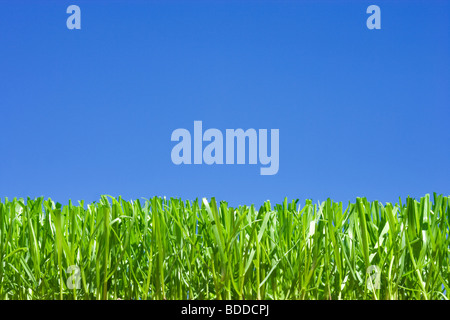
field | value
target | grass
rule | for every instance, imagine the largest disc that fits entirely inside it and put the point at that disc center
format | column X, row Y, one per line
column 174, row 249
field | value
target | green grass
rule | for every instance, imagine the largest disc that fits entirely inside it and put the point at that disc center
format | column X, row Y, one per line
column 173, row 249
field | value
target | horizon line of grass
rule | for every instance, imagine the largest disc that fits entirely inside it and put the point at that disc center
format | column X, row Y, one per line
column 173, row 249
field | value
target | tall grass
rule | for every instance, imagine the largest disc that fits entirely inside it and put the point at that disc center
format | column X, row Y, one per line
column 173, row 249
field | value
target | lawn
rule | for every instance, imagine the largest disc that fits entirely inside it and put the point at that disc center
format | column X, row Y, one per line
column 174, row 249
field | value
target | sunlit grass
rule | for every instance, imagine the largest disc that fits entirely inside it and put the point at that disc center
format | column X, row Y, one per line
column 174, row 249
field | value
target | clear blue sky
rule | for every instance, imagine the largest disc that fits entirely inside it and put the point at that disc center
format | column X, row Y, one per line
column 89, row 112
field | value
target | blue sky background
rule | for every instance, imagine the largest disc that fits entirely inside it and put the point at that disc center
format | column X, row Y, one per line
column 89, row 112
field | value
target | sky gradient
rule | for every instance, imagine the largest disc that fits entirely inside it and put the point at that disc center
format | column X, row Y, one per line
column 360, row 112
